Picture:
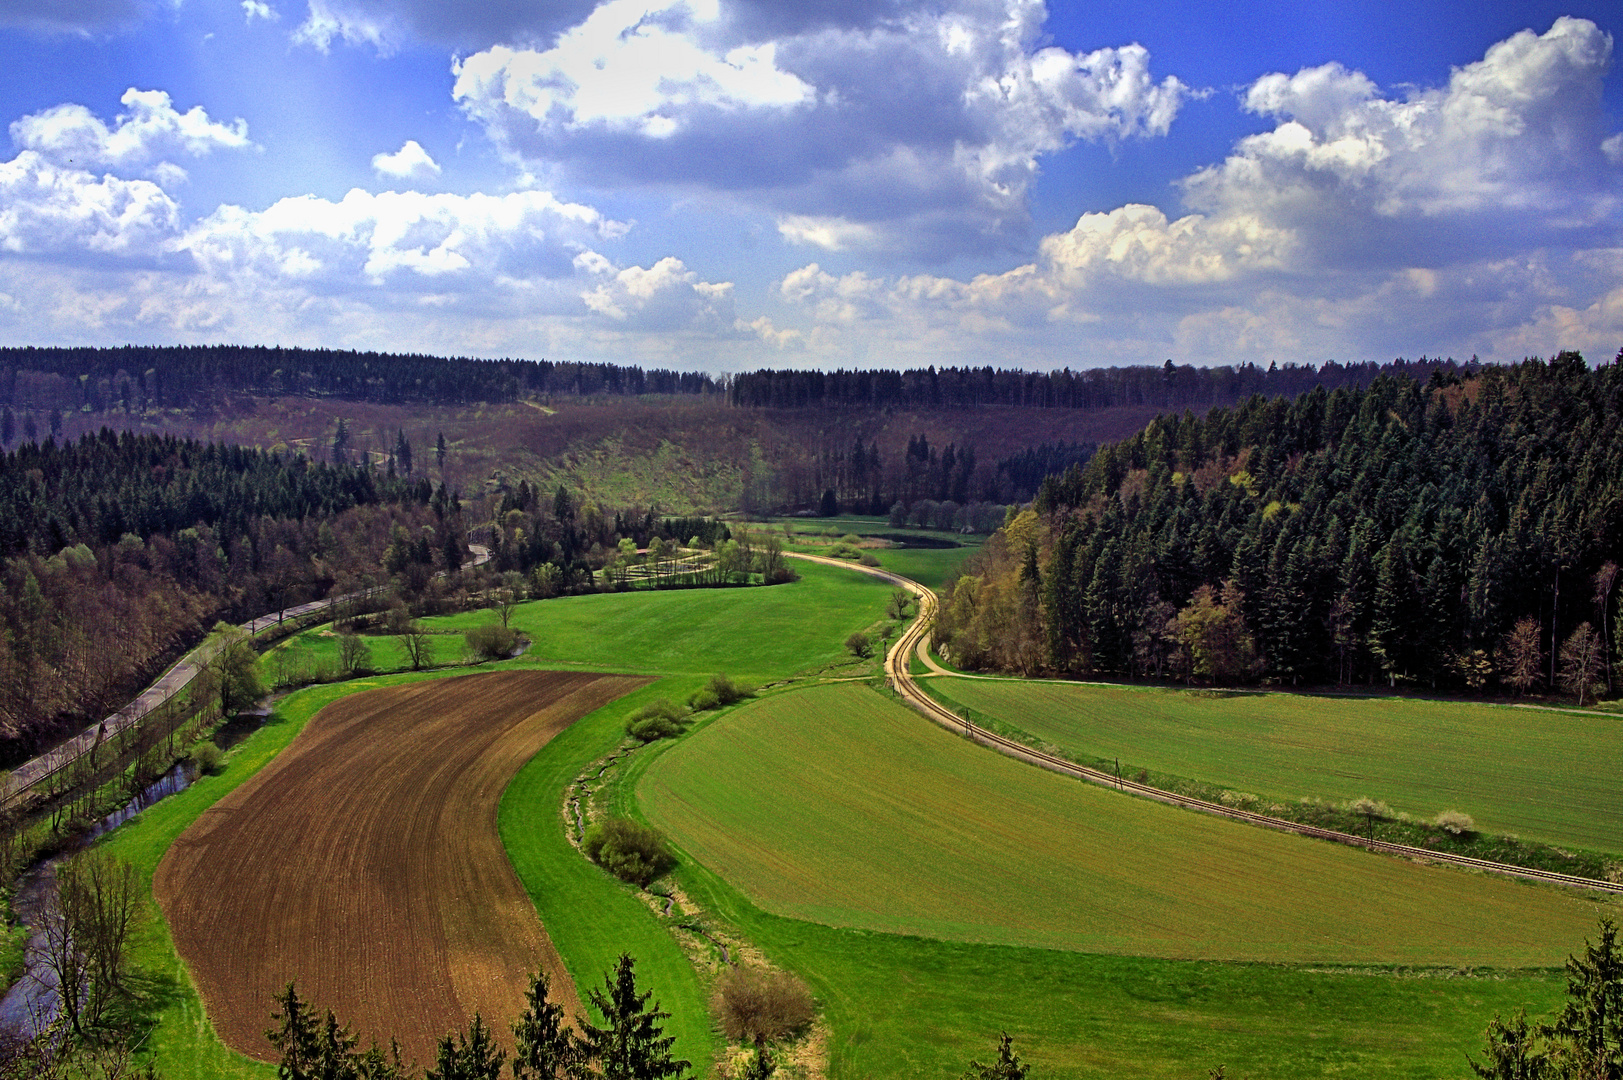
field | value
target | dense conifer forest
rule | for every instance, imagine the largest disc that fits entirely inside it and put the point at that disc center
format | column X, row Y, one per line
column 1169, row 386
column 135, row 377
column 1462, row 532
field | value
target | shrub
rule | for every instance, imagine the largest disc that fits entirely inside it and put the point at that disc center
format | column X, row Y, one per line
column 852, row 538
column 867, row 558
column 755, row 1005
column 492, row 641
column 781, row 576
column 842, row 550
column 206, row 758
column 656, row 720
column 859, row 645
column 629, row 850
column 720, row 691
column 1367, row 807
column 1455, row 823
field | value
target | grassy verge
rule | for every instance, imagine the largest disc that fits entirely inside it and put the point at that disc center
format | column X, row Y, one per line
column 1547, row 776
column 591, row 917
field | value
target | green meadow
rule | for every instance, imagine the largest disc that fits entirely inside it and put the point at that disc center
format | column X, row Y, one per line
column 838, row 805
column 1544, row 775
column 933, row 893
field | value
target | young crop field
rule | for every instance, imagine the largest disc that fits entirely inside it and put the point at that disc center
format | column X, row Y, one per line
column 1545, row 775
column 364, row 863
column 900, row 1005
column 837, row 805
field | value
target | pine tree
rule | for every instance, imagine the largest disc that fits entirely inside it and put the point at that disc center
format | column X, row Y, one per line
column 473, row 1055
column 546, row 1046
column 631, row 1044
column 1591, row 1023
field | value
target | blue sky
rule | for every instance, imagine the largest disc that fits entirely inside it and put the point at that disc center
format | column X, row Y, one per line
column 728, row 184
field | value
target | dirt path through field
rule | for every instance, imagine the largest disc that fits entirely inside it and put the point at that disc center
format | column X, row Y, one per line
column 365, row 863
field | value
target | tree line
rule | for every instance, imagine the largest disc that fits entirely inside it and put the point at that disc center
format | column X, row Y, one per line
column 1462, row 533
column 117, row 552
column 132, row 378
column 1167, row 387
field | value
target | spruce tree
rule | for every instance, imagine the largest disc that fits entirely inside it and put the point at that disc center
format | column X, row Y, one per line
column 631, row 1044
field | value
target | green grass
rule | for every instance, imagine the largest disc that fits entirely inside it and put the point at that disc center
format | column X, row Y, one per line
column 756, row 633
column 837, row 805
column 591, row 917
column 930, row 567
column 909, row 1006
column 1548, row 776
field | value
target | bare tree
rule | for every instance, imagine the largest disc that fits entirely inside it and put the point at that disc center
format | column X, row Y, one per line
column 506, row 601
column 352, row 651
column 1582, row 656
column 90, row 914
column 1520, row 656
column 416, row 643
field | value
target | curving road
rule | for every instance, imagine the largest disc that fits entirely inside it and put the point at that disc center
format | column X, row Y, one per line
column 915, row 640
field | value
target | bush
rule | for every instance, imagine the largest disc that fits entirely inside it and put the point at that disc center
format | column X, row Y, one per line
column 868, row 558
column 756, row 1005
column 720, row 691
column 859, row 645
column 1367, row 807
column 629, row 850
column 492, row 641
column 206, row 758
column 656, row 720
column 1455, row 823
column 781, row 576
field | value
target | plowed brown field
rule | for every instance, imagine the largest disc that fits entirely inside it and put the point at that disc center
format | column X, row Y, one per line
column 364, row 862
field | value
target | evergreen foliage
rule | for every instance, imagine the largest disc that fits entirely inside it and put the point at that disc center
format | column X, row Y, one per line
column 1169, row 386
column 630, row 1044
column 1401, row 533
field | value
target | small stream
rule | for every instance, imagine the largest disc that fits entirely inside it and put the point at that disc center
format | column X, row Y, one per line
column 32, row 1002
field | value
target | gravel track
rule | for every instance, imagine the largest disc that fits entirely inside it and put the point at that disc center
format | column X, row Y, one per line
column 915, row 641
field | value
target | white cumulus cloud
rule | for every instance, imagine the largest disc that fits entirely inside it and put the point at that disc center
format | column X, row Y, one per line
column 664, row 297
column 150, row 129
column 914, row 130
column 410, row 162
column 48, row 209
column 258, row 9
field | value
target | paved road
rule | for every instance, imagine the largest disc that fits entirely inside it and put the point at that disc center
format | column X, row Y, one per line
column 36, row 770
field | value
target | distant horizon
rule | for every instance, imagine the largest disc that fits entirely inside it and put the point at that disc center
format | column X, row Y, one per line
column 729, row 185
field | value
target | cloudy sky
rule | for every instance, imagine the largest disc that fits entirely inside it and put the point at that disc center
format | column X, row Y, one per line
column 728, row 184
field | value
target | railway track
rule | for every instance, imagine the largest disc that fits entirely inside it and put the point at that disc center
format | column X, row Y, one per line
column 914, row 640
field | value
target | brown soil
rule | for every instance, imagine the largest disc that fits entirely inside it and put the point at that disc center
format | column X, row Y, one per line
column 364, row 863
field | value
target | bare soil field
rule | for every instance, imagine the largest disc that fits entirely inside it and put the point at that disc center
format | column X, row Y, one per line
column 364, row 863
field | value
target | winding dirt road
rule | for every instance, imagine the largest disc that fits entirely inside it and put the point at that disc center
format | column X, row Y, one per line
column 915, row 641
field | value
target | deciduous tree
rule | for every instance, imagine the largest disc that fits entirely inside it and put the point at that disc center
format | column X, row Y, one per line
column 1519, row 657
column 1582, row 656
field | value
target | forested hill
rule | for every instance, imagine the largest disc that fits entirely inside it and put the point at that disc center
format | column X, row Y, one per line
column 117, row 551
column 139, row 377
column 1442, row 534
column 1166, row 387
